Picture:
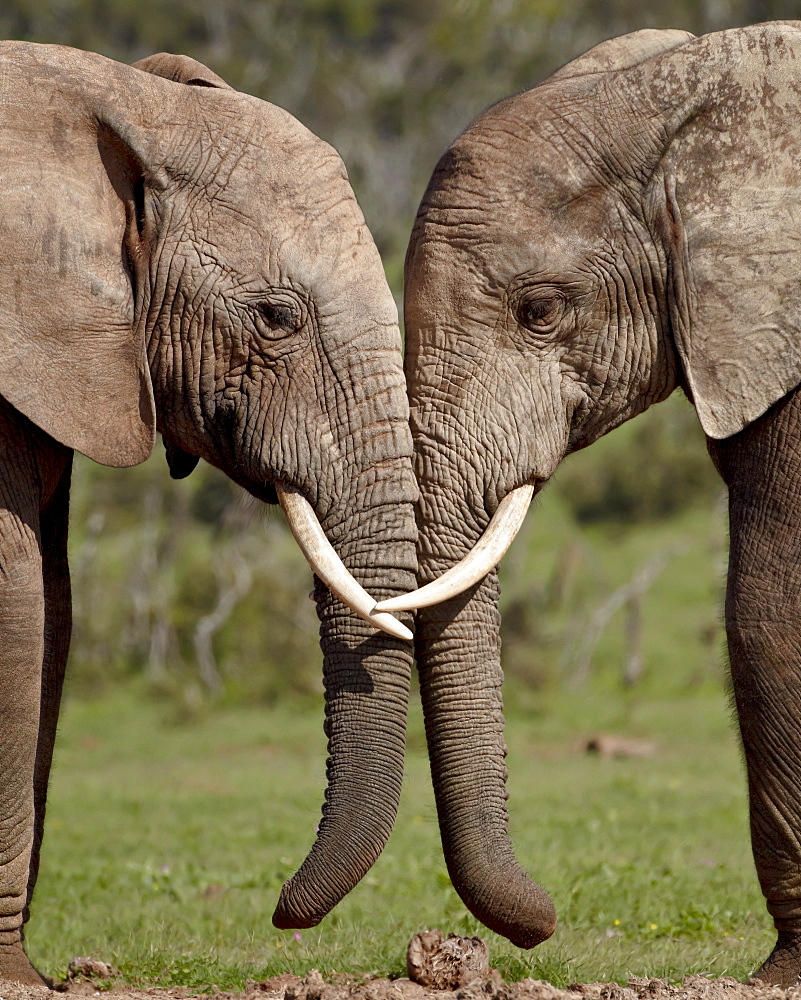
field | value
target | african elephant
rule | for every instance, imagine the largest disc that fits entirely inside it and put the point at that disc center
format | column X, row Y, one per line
column 181, row 257
column 631, row 225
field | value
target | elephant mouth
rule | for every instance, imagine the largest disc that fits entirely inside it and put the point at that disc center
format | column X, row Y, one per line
column 483, row 557
column 325, row 562
column 266, row 492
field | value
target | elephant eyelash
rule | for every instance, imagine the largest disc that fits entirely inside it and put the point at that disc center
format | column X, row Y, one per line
column 139, row 205
column 279, row 316
column 540, row 314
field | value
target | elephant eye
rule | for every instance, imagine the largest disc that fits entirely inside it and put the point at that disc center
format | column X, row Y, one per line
column 279, row 318
column 540, row 313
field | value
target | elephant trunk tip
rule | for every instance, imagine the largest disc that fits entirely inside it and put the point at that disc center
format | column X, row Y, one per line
column 295, row 910
column 530, row 928
column 524, row 914
column 530, row 935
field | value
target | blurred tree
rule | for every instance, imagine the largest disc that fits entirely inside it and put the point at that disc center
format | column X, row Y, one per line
column 650, row 468
column 192, row 585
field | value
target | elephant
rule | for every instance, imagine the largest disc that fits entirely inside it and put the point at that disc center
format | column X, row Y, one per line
column 629, row 226
column 177, row 256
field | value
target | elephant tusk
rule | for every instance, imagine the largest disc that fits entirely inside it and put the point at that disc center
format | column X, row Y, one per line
column 484, row 556
column 329, row 567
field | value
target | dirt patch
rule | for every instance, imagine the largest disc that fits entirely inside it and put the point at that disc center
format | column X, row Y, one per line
column 439, row 968
column 313, row 987
column 446, row 963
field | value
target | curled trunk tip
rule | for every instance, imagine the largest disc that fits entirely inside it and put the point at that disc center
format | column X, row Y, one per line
column 296, row 910
column 524, row 912
column 337, row 861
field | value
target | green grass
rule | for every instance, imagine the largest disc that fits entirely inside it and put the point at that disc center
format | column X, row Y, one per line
column 167, row 844
column 559, row 574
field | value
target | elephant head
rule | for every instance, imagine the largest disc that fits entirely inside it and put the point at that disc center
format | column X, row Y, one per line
column 181, row 257
column 628, row 226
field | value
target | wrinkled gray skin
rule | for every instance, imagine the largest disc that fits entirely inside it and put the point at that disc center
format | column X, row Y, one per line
column 631, row 225
column 178, row 256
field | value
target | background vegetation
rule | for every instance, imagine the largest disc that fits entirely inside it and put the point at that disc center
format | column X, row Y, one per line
column 200, row 592
column 191, row 599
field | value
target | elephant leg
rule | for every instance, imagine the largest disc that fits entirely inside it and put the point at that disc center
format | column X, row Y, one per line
column 57, row 630
column 31, row 467
column 762, row 468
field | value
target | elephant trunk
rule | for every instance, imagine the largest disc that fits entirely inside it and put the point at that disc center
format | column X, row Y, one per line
column 458, row 657
column 366, row 677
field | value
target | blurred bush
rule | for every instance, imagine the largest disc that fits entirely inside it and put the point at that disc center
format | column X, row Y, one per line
column 648, row 469
column 192, row 586
column 618, row 574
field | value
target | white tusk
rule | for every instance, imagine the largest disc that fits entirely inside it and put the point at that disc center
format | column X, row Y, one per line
column 484, row 556
column 328, row 566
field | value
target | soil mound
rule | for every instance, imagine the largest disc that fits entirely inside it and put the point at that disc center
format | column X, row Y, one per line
column 313, row 987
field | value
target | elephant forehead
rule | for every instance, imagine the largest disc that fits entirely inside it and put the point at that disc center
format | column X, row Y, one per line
column 508, row 207
column 285, row 204
column 471, row 265
column 451, row 279
column 333, row 258
column 538, row 146
column 258, row 159
column 289, row 168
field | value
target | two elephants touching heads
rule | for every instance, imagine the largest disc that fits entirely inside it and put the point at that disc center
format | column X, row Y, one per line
column 627, row 227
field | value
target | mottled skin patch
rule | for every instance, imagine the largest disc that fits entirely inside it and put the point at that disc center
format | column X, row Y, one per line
column 178, row 256
column 631, row 225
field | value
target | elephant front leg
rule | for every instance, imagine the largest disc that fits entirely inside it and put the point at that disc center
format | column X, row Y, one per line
column 57, row 631
column 766, row 669
column 21, row 651
column 762, row 468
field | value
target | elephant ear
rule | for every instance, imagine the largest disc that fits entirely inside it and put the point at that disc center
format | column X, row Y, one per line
column 181, row 69
column 729, row 209
column 74, row 223
column 77, row 228
column 623, row 52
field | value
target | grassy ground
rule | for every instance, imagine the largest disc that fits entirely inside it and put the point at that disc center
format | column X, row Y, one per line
column 167, row 844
